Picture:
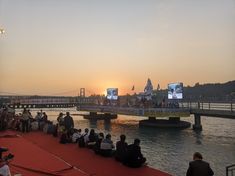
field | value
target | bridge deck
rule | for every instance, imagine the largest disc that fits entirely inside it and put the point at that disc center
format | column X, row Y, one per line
column 214, row 113
column 160, row 112
column 147, row 112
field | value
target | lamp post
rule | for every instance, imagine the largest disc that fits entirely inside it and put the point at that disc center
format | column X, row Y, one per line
column 2, row 31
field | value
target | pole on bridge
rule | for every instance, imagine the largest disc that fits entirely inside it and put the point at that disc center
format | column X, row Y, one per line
column 198, row 105
column 197, row 122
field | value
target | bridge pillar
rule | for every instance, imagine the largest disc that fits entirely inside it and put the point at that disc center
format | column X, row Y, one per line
column 107, row 114
column 110, row 116
column 174, row 119
column 152, row 118
column 197, row 122
column 93, row 113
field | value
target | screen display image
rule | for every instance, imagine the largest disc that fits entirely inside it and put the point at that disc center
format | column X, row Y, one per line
column 112, row 93
column 175, row 91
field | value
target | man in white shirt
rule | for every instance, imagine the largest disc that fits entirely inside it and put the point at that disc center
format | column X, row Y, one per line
column 76, row 135
column 86, row 136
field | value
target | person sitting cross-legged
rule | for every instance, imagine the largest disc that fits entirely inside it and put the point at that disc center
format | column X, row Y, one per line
column 76, row 135
column 121, row 149
column 134, row 156
column 91, row 139
column 4, row 168
column 106, row 146
column 99, row 139
column 83, row 139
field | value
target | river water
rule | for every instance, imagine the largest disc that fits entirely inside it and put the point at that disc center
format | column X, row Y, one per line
column 169, row 150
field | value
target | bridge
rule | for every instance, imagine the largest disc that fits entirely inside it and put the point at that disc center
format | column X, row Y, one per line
column 92, row 105
column 198, row 109
column 19, row 102
column 210, row 109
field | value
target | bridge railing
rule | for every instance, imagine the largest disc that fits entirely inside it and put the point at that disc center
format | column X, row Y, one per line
column 230, row 170
column 149, row 112
column 227, row 106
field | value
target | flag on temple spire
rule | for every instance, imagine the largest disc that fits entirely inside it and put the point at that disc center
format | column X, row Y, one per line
column 133, row 88
column 158, row 87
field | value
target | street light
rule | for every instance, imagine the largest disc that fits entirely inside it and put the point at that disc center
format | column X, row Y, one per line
column 2, row 31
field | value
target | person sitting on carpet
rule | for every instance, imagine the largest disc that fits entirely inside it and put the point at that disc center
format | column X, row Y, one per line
column 106, row 146
column 4, row 168
column 121, row 149
column 83, row 139
column 134, row 156
column 91, row 139
column 64, row 137
column 98, row 142
column 76, row 135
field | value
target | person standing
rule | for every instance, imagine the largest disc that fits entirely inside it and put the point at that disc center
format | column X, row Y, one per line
column 44, row 117
column 198, row 167
column 60, row 119
column 68, row 122
column 3, row 119
column 38, row 117
column 25, row 120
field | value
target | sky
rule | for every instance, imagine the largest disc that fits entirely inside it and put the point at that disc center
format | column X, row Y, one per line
column 56, row 47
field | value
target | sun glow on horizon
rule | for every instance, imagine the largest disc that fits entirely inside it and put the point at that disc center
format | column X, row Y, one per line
column 114, row 44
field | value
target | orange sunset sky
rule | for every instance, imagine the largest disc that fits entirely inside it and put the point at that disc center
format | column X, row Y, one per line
column 55, row 47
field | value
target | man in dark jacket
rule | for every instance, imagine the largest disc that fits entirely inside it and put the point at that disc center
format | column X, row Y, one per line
column 121, row 149
column 68, row 122
column 134, row 155
column 198, row 167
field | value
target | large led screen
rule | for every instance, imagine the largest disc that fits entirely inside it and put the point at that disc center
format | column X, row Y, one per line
column 175, row 91
column 112, row 93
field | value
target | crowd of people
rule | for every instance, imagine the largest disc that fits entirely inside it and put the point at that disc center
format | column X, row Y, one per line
column 23, row 121
column 130, row 155
column 101, row 144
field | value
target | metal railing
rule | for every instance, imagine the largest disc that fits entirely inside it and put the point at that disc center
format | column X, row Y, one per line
column 135, row 111
column 230, row 170
column 229, row 106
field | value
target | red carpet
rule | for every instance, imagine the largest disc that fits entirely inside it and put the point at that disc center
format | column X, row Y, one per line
column 42, row 152
column 32, row 160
